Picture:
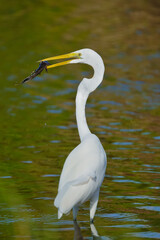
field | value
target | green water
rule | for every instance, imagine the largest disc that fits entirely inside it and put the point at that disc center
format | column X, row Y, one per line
column 38, row 126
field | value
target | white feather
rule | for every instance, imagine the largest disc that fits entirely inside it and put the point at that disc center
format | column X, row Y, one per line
column 77, row 182
column 84, row 169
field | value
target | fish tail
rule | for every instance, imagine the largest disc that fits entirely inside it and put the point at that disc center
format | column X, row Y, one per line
column 26, row 79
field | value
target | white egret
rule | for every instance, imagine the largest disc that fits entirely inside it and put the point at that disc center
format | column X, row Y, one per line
column 84, row 169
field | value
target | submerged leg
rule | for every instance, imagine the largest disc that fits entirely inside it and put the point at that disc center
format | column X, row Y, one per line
column 75, row 211
column 93, row 205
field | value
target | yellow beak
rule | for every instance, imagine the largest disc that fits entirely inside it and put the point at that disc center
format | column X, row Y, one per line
column 69, row 55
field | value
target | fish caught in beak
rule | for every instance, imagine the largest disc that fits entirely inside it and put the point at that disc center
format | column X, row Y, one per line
column 44, row 64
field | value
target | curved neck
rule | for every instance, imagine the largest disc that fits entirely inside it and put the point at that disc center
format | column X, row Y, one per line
column 81, row 99
column 84, row 89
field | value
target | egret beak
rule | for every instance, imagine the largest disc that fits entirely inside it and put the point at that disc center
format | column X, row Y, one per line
column 70, row 56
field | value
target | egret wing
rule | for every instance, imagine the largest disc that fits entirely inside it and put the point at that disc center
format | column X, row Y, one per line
column 83, row 161
column 82, row 174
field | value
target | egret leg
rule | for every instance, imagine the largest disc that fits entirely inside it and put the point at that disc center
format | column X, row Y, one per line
column 75, row 211
column 93, row 205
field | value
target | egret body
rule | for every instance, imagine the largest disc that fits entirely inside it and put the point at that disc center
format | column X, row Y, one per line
column 84, row 169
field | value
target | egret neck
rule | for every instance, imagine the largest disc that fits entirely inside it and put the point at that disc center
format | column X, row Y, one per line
column 84, row 89
column 81, row 99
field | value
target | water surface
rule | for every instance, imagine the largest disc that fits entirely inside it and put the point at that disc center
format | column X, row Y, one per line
column 38, row 127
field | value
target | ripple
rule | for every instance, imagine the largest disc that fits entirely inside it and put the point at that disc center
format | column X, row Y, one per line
column 138, row 58
column 72, row 81
column 120, row 88
column 134, row 197
column 64, row 92
column 54, row 110
column 150, row 208
column 147, row 152
column 148, row 76
column 107, row 127
column 118, row 158
column 152, row 166
column 126, row 181
column 110, row 103
column 101, row 132
column 39, row 99
column 38, row 79
column 117, row 176
column 155, row 188
column 114, row 123
column 139, row 32
column 90, row 105
column 73, row 126
column 125, row 67
column 21, row 147
column 145, row 133
column 157, row 138
column 51, row 106
column 131, row 139
column 156, row 88
column 10, row 89
column 127, row 217
column 55, row 141
column 155, row 55
column 155, row 147
column 130, row 130
column 148, row 234
column 68, row 103
column 43, row 198
column 122, row 143
column 62, row 127
column 146, row 171
column 104, row 108
column 26, row 161
column 10, row 219
column 50, row 175
column 5, row 176
column 129, row 226
column 130, row 112
column 11, row 77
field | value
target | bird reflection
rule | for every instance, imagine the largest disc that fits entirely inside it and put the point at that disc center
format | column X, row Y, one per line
column 94, row 231
column 95, row 234
column 78, row 234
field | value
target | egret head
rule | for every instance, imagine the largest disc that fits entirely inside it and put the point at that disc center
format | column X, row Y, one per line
column 86, row 56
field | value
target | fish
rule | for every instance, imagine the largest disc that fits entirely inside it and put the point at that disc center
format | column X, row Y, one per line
column 43, row 65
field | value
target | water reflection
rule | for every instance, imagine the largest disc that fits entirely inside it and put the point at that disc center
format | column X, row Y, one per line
column 95, row 235
column 77, row 232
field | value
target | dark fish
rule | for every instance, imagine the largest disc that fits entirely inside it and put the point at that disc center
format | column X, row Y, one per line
column 43, row 65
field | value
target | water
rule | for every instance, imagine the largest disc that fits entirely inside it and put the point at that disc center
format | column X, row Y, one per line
column 38, row 127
